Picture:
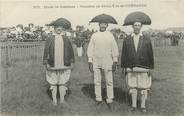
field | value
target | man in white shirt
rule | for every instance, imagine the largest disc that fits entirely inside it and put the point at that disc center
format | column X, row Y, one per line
column 103, row 57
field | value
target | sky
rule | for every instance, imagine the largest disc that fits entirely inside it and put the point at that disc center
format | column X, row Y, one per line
column 163, row 13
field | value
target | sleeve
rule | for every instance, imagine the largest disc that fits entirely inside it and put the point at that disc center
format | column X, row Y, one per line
column 90, row 49
column 46, row 51
column 114, row 50
column 150, row 53
column 72, row 57
column 123, row 54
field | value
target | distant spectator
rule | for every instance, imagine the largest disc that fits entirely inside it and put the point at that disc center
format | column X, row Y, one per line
column 19, row 31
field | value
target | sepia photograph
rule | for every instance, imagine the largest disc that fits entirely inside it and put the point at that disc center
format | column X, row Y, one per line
column 91, row 58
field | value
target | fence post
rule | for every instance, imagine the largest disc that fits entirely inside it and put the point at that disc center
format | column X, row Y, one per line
column 7, row 59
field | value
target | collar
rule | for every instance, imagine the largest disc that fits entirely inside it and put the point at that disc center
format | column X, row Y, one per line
column 103, row 31
column 140, row 34
column 56, row 36
column 62, row 33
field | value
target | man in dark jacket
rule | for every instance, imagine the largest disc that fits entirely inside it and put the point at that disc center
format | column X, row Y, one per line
column 137, row 60
column 58, row 58
column 79, row 41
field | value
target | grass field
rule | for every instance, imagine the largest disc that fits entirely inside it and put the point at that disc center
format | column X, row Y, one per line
column 25, row 92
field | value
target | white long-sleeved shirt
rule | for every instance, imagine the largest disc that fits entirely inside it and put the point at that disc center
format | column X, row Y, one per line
column 59, row 52
column 136, row 39
column 102, row 50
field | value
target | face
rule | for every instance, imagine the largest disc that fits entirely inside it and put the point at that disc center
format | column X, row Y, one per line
column 103, row 26
column 58, row 30
column 137, row 27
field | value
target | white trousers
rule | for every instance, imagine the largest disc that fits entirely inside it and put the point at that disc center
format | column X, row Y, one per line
column 109, row 84
column 79, row 51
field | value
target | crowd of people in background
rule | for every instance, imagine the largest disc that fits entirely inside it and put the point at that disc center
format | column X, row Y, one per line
column 79, row 36
column 171, row 38
column 19, row 33
column 30, row 33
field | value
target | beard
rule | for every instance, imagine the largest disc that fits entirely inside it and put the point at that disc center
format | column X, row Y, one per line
column 136, row 31
column 103, row 29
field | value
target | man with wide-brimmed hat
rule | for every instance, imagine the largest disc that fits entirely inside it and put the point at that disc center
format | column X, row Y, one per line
column 58, row 59
column 103, row 57
column 137, row 59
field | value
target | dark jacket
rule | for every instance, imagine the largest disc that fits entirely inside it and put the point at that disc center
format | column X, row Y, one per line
column 79, row 40
column 142, row 58
column 48, row 56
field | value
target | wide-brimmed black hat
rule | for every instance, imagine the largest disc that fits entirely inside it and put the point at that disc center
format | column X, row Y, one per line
column 137, row 17
column 104, row 18
column 61, row 22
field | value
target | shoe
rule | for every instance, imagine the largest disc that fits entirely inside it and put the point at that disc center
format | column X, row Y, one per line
column 65, row 104
column 110, row 106
column 109, row 101
column 54, row 103
column 132, row 109
column 98, row 102
column 143, row 110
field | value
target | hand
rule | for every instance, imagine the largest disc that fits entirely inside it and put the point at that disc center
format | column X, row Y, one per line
column 91, row 66
column 72, row 66
column 150, row 73
column 114, row 66
column 44, row 62
column 124, row 71
column 47, row 66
